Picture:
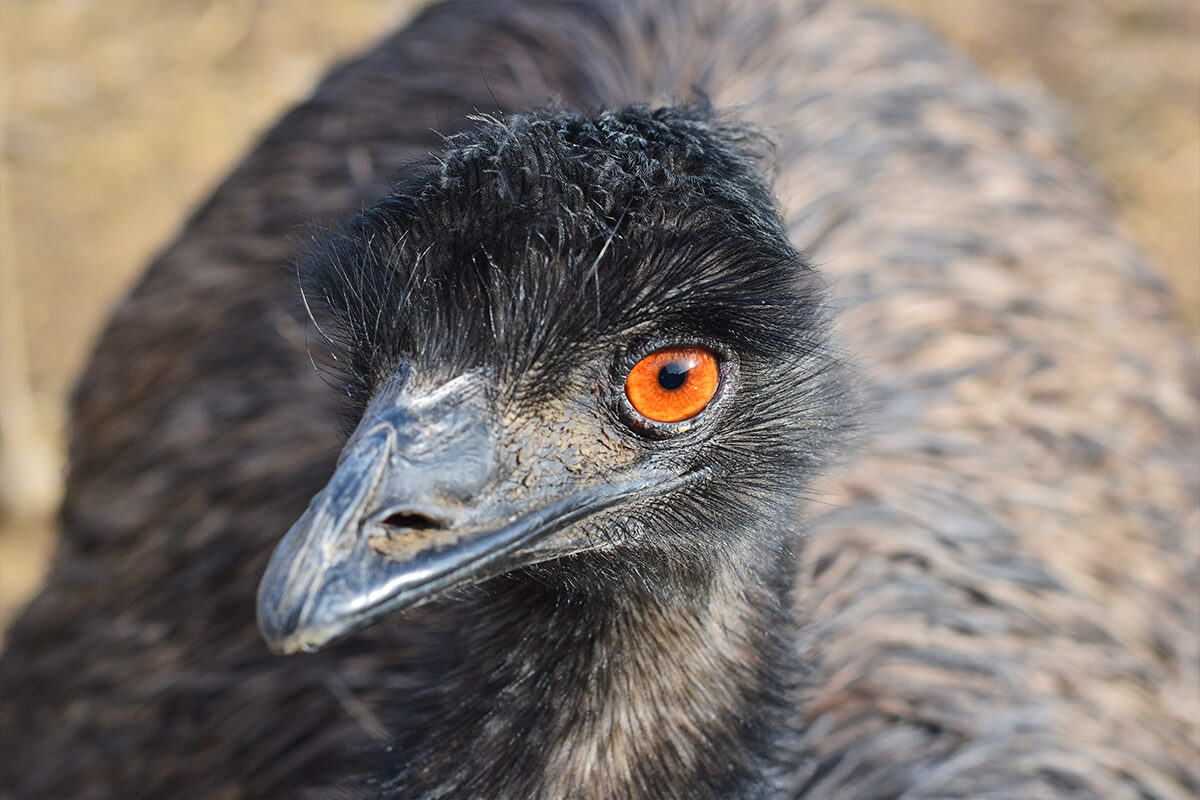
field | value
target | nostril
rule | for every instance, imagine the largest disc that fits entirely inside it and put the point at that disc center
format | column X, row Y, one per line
column 404, row 535
column 410, row 521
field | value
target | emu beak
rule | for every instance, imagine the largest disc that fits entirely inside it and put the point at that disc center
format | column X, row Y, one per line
column 385, row 532
column 411, row 511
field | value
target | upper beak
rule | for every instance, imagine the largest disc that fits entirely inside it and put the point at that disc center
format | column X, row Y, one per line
column 411, row 510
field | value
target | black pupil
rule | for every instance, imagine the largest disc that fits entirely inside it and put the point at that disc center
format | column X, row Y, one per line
column 672, row 375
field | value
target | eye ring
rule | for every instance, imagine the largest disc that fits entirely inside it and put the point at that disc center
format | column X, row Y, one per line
column 673, row 384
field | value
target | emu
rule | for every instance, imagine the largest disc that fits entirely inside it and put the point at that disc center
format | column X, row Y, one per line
column 585, row 392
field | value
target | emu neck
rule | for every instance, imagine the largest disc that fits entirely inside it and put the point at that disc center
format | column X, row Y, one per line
column 654, row 684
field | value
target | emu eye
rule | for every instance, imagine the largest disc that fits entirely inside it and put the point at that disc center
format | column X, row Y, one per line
column 673, row 384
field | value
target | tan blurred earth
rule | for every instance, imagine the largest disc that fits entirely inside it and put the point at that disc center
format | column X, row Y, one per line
column 119, row 116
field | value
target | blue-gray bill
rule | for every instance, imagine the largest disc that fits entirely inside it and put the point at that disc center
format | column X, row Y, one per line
column 416, row 507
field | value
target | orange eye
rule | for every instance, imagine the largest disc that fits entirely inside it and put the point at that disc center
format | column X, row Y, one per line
column 673, row 384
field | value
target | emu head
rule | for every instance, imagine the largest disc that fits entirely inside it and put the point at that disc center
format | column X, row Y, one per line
column 579, row 343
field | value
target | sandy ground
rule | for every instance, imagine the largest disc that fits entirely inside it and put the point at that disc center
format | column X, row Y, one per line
column 119, row 116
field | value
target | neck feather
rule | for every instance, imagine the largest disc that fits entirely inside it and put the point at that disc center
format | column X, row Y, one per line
column 664, row 681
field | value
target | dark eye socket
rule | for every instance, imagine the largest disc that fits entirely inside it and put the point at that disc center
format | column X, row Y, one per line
column 674, row 383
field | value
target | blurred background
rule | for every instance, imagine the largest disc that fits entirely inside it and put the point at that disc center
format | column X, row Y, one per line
column 118, row 116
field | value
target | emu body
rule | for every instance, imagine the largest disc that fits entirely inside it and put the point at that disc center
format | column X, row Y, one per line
column 995, row 596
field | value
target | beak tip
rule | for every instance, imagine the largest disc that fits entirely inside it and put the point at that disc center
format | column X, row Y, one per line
column 290, row 627
column 286, row 640
column 279, row 626
column 279, row 639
